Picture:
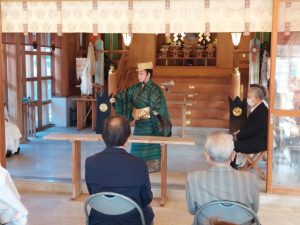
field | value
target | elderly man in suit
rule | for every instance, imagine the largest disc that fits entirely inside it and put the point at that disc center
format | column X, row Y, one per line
column 252, row 136
column 220, row 181
column 115, row 170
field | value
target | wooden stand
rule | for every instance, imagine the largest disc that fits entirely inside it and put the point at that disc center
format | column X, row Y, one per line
column 82, row 114
column 183, row 104
column 76, row 155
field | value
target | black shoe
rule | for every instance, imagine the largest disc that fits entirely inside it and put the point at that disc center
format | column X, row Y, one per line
column 233, row 165
column 18, row 151
column 8, row 154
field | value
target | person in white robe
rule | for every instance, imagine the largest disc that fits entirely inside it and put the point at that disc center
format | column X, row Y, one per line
column 12, row 211
column 12, row 134
column 89, row 70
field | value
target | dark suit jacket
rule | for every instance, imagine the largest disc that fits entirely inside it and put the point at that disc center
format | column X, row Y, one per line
column 252, row 137
column 115, row 170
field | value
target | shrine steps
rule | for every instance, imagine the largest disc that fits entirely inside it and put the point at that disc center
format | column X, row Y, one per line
column 209, row 97
column 211, row 123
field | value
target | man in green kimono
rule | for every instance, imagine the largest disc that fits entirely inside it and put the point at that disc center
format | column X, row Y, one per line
column 145, row 103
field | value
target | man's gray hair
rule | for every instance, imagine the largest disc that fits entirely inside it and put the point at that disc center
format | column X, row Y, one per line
column 259, row 91
column 219, row 146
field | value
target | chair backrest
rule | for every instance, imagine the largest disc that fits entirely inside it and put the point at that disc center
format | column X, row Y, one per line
column 111, row 203
column 228, row 211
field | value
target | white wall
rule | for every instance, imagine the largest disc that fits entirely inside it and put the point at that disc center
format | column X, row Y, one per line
column 61, row 110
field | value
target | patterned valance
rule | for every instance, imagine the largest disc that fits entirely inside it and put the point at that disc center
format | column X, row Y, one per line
column 146, row 16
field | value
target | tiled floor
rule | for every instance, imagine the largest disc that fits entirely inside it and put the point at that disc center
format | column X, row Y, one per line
column 51, row 161
column 57, row 209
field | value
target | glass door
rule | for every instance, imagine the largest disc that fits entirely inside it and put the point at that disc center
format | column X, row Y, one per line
column 38, row 71
column 284, row 125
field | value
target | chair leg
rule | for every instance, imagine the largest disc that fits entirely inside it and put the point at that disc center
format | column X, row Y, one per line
column 257, row 157
column 248, row 163
column 252, row 163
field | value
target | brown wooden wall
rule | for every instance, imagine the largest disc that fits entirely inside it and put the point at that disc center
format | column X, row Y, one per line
column 212, row 85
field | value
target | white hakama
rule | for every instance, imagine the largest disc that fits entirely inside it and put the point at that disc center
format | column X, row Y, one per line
column 12, row 134
column 12, row 137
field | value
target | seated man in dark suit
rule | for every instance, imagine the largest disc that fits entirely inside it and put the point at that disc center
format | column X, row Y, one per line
column 252, row 136
column 115, row 170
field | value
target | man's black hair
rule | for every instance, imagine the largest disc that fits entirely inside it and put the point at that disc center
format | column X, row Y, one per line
column 149, row 71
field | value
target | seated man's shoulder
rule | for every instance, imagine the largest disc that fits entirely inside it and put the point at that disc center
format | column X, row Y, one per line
column 127, row 157
column 94, row 157
column 137, row 160
column 246, row 175
column 195, row 174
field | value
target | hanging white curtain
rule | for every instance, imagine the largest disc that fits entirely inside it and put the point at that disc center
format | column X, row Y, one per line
column 185, row 16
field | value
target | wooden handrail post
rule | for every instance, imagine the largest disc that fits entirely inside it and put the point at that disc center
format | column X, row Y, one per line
column 236, row 83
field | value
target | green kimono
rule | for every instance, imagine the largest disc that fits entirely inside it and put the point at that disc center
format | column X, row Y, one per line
column 140, row 97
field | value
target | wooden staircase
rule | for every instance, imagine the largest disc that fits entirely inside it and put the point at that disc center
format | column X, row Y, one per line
column 209, row 95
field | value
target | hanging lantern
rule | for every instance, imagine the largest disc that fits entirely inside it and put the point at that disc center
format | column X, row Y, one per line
column 127, row 39
column 236, row 38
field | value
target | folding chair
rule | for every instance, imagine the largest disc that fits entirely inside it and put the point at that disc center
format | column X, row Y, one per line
column 227, row 211
column 251, row 162
column 111, row 203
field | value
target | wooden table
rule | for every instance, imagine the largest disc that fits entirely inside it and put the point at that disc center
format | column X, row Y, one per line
column 76, row 140
column 81, row 112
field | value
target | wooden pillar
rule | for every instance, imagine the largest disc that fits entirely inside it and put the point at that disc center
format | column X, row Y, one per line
column 235, row 83
column 19, row 120
column 94, row 114
column 12, row 71
column 2, row 124
column 272, row 95
column 112, row 82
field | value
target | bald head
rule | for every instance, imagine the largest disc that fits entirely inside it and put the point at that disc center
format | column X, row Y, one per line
column 116, row 130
